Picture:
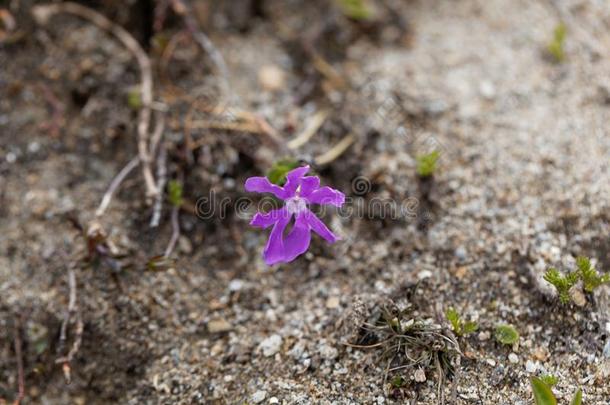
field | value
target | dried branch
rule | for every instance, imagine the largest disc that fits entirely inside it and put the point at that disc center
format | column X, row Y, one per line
column 114, row 185
column 162, row 179
column 175, row 231
column 72, row 312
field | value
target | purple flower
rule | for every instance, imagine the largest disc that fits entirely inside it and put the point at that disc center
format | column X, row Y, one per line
column 298, row 192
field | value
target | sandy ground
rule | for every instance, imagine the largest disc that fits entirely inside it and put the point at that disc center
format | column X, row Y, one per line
column 523, row 184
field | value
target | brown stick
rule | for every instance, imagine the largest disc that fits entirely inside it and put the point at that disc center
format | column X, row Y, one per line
column 42, row 14
column 114, row 185
column 175, row 231
column 78, row 332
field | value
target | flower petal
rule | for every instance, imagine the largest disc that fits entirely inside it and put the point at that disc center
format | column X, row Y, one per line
column 327, row 195
column 309, row 184
column 293, row 180
column 265, row 220
column 263, row 185
column 274, row 250
column 319, row 227
column 297, row 241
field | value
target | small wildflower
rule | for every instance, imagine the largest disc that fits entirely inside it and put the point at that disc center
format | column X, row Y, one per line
column 298, row 193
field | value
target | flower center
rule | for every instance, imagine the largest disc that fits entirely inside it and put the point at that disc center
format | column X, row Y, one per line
column 296, row 205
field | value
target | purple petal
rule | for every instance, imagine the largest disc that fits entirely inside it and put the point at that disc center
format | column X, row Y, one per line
column 327, row 195
column 274, row 251
column 293, row 180
column 263, row 185
column 309, row 184
column 297, row 241
column 265, row 220
column 319, row 227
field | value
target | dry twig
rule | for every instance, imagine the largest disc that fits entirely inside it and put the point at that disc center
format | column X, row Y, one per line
column 336, row 151
column 114, row 185
column 175, row 231
column 72, row 312
column 162, row 179
column 310, row 130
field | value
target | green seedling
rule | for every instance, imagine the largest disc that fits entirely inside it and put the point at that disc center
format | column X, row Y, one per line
column 174, row 188
column 277, row 173
column 585, row 272
column 459, row 326
column 549, row 380
column 355, row 9
column 562, row 283
column 543, row 395
column 426, row 164
column 556, row 46
column 506, row 334
column 590, row 277
column 134, row 99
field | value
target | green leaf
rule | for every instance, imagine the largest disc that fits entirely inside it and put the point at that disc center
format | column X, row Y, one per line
column 470, row 327
column 355, row 9
column 397, row 382
column 134, row 99
column 454, row 318
column 426, row 164
column 506, row 334
column 542, row 392
column 577, row 400
column 549, row 380
column 556, row 46
column 174, row 188
column 591, row 279
column 562, row 283
column 277, row 173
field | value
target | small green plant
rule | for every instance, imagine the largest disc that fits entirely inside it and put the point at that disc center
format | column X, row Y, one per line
column 355, row 9
column 543, row 395
column 174, row 188
column 134, row 99
column 506, row 334
column 277, row 173
column 426, row 164
column 397, row 382
column 562, row 283
column 556, row 46
column 549, row 379
column 459, row 326
column 590, row 277
column 585, row 272
column 542, row 392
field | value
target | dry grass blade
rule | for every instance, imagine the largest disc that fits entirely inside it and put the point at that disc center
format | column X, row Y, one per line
column 336, row 151
column 310, row 130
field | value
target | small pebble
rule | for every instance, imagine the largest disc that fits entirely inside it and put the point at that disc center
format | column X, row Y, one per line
column 219, row 326
column 332, row 302
column 419, row 375
column 513, row 358
column 259, row 396
column 530, row 366
column 271, row 77
column 271, row 345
